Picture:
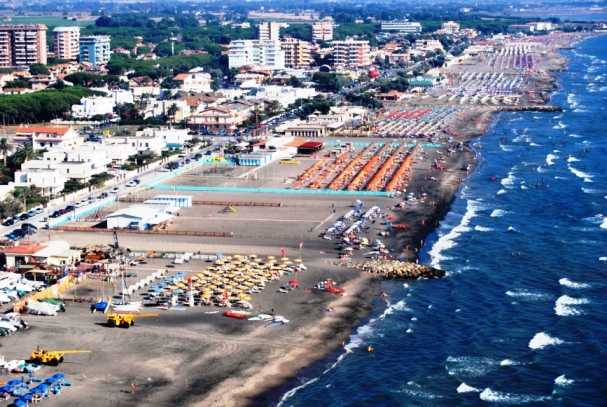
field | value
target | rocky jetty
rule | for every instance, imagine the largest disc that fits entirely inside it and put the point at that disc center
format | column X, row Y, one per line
column 398, row 269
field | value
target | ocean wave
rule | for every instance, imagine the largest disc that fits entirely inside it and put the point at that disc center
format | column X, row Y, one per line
column 560, row 125
column 565, row 306
column 509, row 362
column 572, row 159
column 580, row 174
column 563, row 381
column 399, row 306
column 603, row 258
column 448, row 240
column 497, row 213
column 541, row 339
column 596, row 219
column 470, row 366
column 540, row 169
column 551, row 158
column 464, row 388
column 592, row 191
column 501, row 192
column 604, row 224
column 480, row 228
column 294, row 390
column 506, row 148
column 534, row 145
column 509, row 180
column 414, row 390
column 580, row 110
column 494, row 396
column 565, row 282
column 512, row 229
column 523, row 293
column 571, row 100
column 573, row 135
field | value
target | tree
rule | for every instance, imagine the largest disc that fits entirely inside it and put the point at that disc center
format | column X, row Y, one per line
column 39, row 69
column 4, row 149
column 330, row 81
column 10, row 207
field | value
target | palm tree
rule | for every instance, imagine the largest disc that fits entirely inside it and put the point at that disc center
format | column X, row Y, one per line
column 4, row 149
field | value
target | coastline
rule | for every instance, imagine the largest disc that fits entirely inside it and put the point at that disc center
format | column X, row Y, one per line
column 436, row 209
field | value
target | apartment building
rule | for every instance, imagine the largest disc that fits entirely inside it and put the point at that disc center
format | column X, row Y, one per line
column 270, row 31
column 323, row 30
column 66, row 43
column 265, row 54
column 298, row 53
column 351, row 53
column 194, row 81
column 410, row 27
column 22, row 44
column 95, row 49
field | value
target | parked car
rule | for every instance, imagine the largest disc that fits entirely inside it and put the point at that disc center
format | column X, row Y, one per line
column 8, row 222
column 23, row 216
column 15, row 235
column 28, row 228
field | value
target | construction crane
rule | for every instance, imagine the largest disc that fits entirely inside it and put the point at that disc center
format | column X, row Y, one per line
column 126, row 320
column 51, row 357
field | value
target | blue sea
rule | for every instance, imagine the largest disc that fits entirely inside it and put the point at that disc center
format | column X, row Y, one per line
column 521, row 318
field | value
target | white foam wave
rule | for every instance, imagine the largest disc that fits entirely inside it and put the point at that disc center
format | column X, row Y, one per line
column 509, row 362
column 294, row 390
column 559, row 125
column 526, row 294
column 470, row 366
column 592, row 190
column 551, row 158
column 572, row 159
column 448, row 240
column 563, row 381
column 565, row 306
column 501, row 192
column 497, row 213
column 494, row 396
column 506, row 148
column 534, row 145
column 573, row 135
column 480, row 228
column 541, row 339
column 603, row 258
column 415, row 390
column 596, row 219
column 580, row 174
column 509, row 180
column 512, row 229
column 604, row 224
column 464, row 388
column 565, row 282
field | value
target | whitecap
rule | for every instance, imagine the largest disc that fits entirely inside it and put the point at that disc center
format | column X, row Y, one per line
column 534, row 145
column 470, row 366
column 448, row 240
column 525, row 294
column 572, row 284
column 409, row 330
column 596, row 219
column 501, row 192
column 497, row 213
column 573, row 135
column 572, row 159
column 509, row 362
column 592, row 191
column 580, row 174
column 550, row 159
column 604, row 224
column 506, row 148
column 603, row 258
column 494, row 396
column 512, row 229
column 540, row 169
column 415, row 390
column 464, row 388
column 541, row 339
column 294, row 390
column 565, row 306
column 563, row 381
column 480, row 228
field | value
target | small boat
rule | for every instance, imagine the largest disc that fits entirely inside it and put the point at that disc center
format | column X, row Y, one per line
column 236, row 314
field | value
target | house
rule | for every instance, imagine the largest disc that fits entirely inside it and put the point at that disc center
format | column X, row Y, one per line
column 101, row 105
column 140, row 217
column 50, row 181
column 194, row 81
column 47, row 137
column 55, row 253
column 391, row 96
column 217, row 118
column 141, row 144
column 285, row 95
column 177, row 110
column 172, row 138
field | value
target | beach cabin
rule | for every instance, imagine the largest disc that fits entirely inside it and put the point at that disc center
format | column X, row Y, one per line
column 138, row 217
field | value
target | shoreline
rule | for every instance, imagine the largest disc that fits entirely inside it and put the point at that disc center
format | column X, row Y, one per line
column 273, row 396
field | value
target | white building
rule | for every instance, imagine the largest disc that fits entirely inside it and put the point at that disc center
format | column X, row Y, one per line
column 172, row 138
column 285, row 95
column 47, row 137
column 323, row 30
column 141, row 144
column 194, row 81
column 402, row 26
column 265, row 54
column 450, row 27
column 101, row 105
column 139, row 217
column 351, row 53
column 49, row 180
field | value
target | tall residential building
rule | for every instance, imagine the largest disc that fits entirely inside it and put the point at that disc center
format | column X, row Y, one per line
column 95, row 49
column 22, row 44
column 351, row 53
column 450, row 27
column 402, row 26
column 266, row 54
column 269, row 31
column 297, row 53
column 66, row 43
column 323, row 30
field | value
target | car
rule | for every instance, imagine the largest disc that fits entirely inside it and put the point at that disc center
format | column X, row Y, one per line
column 16, row 234
column 8, row 222
column 114, row 190
column 23, row 216
column 28, row 228
column 69, row 208
column 137, row 181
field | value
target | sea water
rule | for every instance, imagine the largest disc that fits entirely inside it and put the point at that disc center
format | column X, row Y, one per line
column 521, row 318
